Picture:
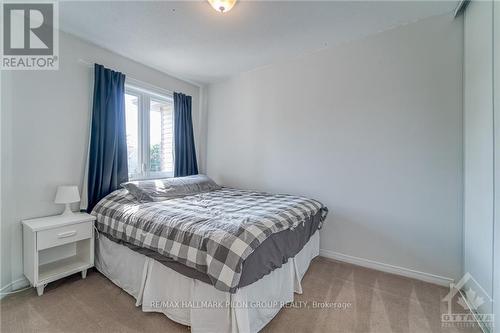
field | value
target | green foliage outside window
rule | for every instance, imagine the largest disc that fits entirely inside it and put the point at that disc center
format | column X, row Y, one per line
column 155, row 158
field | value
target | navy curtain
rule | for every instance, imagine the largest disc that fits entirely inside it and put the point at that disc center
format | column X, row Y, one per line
column 108, row 142
column 185, row 153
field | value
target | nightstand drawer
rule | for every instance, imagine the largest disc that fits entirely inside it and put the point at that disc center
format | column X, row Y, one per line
column 63, row 235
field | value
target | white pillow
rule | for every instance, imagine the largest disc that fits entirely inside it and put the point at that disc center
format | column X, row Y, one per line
column 166, row 188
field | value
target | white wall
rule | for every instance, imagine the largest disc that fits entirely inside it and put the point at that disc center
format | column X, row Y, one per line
column 479, row 146
column 372, row 128
column 496, row 228
column 45, row 127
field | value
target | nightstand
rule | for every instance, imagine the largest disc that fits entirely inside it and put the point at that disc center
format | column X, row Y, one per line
column 57, row 246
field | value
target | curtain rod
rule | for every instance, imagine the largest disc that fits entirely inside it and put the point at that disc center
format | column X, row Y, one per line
column 460, row 7
column 132, row 79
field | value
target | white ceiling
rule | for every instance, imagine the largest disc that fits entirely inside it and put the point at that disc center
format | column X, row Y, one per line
column 192, row 41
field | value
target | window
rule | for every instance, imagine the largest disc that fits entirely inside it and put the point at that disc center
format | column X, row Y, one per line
column 150, row 137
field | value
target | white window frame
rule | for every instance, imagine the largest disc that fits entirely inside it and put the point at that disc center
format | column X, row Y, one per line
column 145, row 93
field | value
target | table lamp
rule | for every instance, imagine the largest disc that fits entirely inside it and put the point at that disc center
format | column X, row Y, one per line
column 66, row 195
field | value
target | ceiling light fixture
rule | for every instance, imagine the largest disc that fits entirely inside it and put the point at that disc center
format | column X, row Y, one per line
column 222, row 6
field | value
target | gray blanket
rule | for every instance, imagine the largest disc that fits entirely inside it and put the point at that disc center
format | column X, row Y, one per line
column 212, row 232
column 273, row 253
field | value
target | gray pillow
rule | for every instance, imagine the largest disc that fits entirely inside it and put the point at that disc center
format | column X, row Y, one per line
column 166, row 188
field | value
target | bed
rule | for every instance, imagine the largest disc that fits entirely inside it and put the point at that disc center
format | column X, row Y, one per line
column 214, row 258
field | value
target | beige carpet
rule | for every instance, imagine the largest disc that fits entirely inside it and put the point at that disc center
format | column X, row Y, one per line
column 379, row 302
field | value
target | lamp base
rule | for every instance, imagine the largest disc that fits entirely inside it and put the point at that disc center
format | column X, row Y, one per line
column 67, row 210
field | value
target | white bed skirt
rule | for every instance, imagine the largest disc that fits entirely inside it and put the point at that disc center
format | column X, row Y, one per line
column 198, row 304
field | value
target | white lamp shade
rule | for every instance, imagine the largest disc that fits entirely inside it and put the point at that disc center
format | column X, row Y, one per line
column 67, row 194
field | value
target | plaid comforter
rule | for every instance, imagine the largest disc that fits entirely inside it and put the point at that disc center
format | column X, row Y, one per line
column 212, row 232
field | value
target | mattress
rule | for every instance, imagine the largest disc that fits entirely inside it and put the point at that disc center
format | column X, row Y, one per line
column 270, row 255
column 215, row 232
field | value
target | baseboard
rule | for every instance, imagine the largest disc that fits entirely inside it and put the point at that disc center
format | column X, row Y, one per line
column 14, row 285
column 427, row 277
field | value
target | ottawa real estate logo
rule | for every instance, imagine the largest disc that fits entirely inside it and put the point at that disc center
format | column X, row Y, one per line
column 468, row 306
column 30, row 36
